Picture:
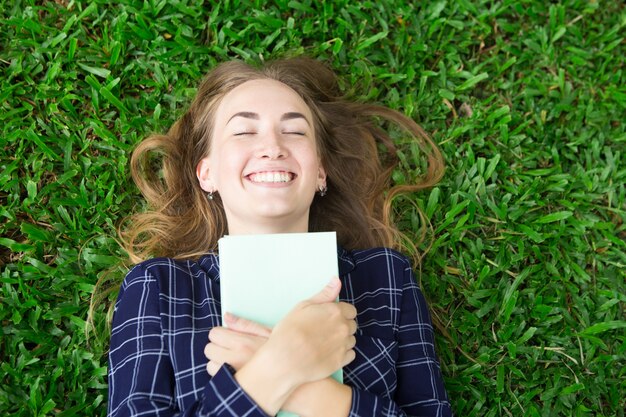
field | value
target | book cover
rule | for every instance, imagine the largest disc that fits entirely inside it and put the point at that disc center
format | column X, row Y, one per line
column 262, row 277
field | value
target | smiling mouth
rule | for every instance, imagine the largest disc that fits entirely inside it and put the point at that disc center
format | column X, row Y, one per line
column 271, row 177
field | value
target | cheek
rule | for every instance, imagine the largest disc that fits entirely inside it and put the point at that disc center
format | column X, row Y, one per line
column 311, row 158
column 228, row 163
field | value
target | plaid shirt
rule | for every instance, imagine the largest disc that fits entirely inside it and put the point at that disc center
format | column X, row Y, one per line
column 166, row 308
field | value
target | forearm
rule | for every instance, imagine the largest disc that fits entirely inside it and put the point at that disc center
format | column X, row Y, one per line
column 314, row 339
column 326, row 397
column 273, row 391
column 267, row 384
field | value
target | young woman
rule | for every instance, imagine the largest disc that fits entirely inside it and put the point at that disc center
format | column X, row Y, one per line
column 272, row 150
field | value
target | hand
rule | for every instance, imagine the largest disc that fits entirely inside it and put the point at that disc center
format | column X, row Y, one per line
column 317, row 337
column 311, row 342
column 234, row 344
column 238, row 342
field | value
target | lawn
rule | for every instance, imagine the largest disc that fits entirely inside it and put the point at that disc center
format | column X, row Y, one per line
column 525, row 260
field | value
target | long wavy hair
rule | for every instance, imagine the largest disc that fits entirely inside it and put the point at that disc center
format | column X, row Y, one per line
column 357, row 153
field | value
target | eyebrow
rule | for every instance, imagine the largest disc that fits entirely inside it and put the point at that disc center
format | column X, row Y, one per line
column 244, row 114
column 255, row 116
column 294, row 115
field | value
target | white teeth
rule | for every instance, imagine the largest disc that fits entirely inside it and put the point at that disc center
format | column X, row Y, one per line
column 271, row 177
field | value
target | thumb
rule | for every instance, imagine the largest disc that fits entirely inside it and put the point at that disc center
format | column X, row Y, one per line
column 239, row 324
column 329, row 293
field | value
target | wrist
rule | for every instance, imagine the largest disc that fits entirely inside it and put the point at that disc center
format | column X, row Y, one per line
column 267, row 383
column 325, row 397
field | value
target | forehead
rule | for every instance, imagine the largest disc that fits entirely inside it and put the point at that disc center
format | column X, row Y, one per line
column 262, row 96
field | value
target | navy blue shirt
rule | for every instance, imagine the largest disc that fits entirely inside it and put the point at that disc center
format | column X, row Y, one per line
column 166, row 308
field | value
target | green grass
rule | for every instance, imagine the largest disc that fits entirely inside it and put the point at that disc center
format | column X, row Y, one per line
column 527, row 265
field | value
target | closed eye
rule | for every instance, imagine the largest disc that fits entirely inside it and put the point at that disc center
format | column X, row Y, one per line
column 244, row 133
column 295, row 133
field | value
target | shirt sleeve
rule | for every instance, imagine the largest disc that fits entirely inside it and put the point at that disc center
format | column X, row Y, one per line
column 420, row 389
column 141, row 376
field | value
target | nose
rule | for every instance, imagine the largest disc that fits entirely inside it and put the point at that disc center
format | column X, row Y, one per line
column 271, row 146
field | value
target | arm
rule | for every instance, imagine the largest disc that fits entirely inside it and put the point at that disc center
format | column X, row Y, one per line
column 420, row 387
column 304, row 341
column 237, row 343
column 313, row 340
column 141, row 377
column 420, row 390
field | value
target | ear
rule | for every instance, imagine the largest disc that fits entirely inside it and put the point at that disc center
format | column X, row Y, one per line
column 203, row 173
column 321, row 176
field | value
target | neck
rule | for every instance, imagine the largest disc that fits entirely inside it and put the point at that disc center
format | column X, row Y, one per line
column 235, row 228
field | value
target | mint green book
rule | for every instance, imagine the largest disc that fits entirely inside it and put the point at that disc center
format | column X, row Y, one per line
column 262, row 277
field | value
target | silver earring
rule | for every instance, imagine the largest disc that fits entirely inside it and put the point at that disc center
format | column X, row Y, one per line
column 323, row 190
column 209, row 195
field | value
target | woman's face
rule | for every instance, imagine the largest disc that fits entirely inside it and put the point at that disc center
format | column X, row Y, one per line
column 263, row 160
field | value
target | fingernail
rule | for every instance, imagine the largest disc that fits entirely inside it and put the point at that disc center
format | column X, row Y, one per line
column 334, row 282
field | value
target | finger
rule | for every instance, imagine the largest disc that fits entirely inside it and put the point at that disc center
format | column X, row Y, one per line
column 329, row 293
column 349, row 357
column 212, row 367
column 348, row 310
column 225, row 336
column 213, row 351
column 353, row 327
column 216, row 334
column 242, row 325
column 352, row 342
column 229, row 339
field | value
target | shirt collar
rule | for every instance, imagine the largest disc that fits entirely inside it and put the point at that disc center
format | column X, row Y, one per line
column 346, row 261
column 210, row 264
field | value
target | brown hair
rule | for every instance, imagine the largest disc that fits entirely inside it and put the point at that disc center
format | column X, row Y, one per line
column 356, row 152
